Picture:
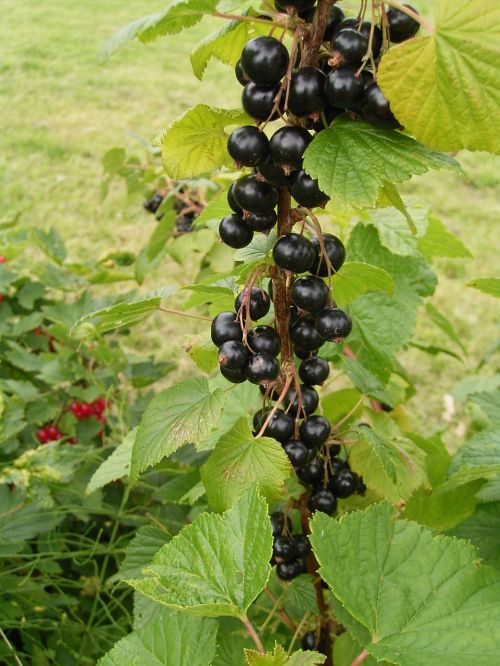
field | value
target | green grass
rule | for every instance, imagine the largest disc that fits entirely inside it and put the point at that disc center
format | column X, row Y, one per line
column 62, row 111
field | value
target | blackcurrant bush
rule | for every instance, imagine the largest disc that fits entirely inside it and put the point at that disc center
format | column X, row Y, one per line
column 316, row 641
column 323, row 500
column 310, row 293
column 259, row 302
column 302, row 545
column 344, row 484
column 264, row 339
column 289, row 570
column 248, row 146
column 305, row 190
column 293, row 252
column 240, row 74
column 343, row 88
column 310, row 401
column 260, row 367
column 306, row 92
column 234, row 231
column 234, row 375
column 314, row 371
column 258, row 101
column 273, row 173
column 377, row 110
column 278, row 522
column 264, row 60
column 297, row 452
column 254, row 195
column 284, row 548
column 231, row 200
column 287, row 146
column 312, row 473
column 349, row 46
column 305, row 335
column 315, row 431
column 401, row 26
column 335, row 252
column 334, row 19
column 305, row 353
column 225, row 327
column 233, row 355
column 333, row 324
column 263, row 222
column 280, row 426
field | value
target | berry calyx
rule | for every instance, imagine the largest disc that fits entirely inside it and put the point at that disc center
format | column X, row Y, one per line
column 306, row 92
column 305, row 336
column 287, row 146
column 349, row 46
column 254, row 195
column 305, row 190
column 225, row 327
column 297, row 452
column 234, row 231
column 264, row 339
column 310, row 293
column 315, row 431
column 334, row 324
column 314, row 371
column 343, row 88
column 401, row 26
column 258, row 302
column 377, row 110
column 258, row 101
column 323, row 500
column 233, row 355
column 280, row 426
column 335, row 251
column 248, row 146
column 294, row 253
column 309, row 398
column 261, row 367
column 264, row 60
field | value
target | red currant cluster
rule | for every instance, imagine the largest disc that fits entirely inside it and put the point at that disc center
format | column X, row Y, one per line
column 49, row 433
column 84, row 410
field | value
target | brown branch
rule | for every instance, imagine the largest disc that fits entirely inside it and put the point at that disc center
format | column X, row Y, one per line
column 313, row 40
column 254, row 635
column 360, row 658
column 282, row 612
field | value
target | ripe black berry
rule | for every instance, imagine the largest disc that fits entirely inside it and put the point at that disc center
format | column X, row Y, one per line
column 259, row 303
column 334, row 19
column 337, row 465
column 234, row 375
column 290, row 570
column 264, row 60
column 297, row 452
column 310, row 401
column 310, row 293
column 305, row 190
column 294, row 253
column 377, row 110
column 254, row 195
column 323, row 500
column 302, row 545
column 343, row 88
column 284, row 548
column 335, row 251
column 377, row 38
column 287, row 146
column 152, row 205
column 248, row 145
column 304, row 353
column 225, row 327
column 344, row 484
column 329, row 114
column 401, row 26
column 232, row 354
column 234, row 231
column 263, row 222
column 258, row 101
column 312, row 473
column 280, row 426
column 306, row 92
column 264, row 339
column 240, row 74
column 278, row 523
column 314, row 370
column 305, row 335
column 260, row 367
column 273, row 173
column 333, row 324
column 315, row 431
column 316, row 641
column 231, row 200
column 349, row 46
column 298, row 5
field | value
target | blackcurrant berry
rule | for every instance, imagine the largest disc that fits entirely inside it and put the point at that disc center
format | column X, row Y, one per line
column 361, row 489
column 287, row 146
column 259, row 302
column 310, row 401
column 338, row 465
column 264, row 60
column 343, row 88
column 306, row 92
column 334, row 19
column 225, row 327
column 298, row 5
column 305, row 336
column 293, row 252
column 234, row 231
column 248, row 146
column 315, row 431
column 310, row 293
column 273, row 173
column 314, row 371
column 304, row 353
column 323, row 500
column 349, row 46
column 289, row 570
column 231, row 200
column 278, row 523
column 377, row 38
column 350, row 22
column 258, row 101
column 329, row 115
column 377, row 110
column 302, row 545
column 344, row 484
column 152, row 205
column 264, row 339
column 234, row 375
column 254, row 195
column 297, row 452
column 312, row 473
column 262, row 366
column 305, row 190
column 284, row 548
column 280, row 426
column 335, row 252
column 333, row 324
column 232, row 354
column 401, row 26
column 316, row 641
column 263, row 222
column 240, row 74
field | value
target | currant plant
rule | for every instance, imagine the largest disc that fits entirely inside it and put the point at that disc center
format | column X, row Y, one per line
column 331, row 266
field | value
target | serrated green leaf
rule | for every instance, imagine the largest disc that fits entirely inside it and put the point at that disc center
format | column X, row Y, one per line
column 420, row 78
column 490, row 286
column 214, row 211
column 482, row 528
column 352, row 160
column 478, row 458
column 196, row 143
column 116, row 466
column 489, row 402
column 444, row 324
column 356, row 278
column 51, row 243
column 346, row 649
column 442, row 510
column 238, row 461
column 202, row 352
column 394, row 232
column 280, row 658
column 259, row 249
column 217, row 565
column 182, row 489
column 439, row 242
column 140, row 551
column 184, row 413
column 365, row 381
column 422, row 597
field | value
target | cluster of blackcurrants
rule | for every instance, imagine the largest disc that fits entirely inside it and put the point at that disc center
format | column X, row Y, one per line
column 184, row 218
column 290, row 551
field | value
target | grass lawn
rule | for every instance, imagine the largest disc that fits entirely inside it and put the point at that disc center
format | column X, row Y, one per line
column 61, row 111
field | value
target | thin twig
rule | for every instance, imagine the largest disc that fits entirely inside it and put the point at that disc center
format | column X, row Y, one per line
column 282, row 612
column 254, row 635
column 410, row 12
column 184, row 314
column 11, row 648
column 360, row 658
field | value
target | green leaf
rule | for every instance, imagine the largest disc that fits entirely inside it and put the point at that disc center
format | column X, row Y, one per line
column 280, row 658
column 116, row 466
column 238, row 461
column 420, row 78
column 51, row 243
column 444, row 324
column 352, row 160
column 482, row 528
column 394, row 232
column 216, row 566
column 202, row 352
column 184, row 413
column 346, row 649
column 478, row 458
column 259, row 249
column 356, row 278
column 439, row 242
column 196, row 143
column 422, row 597
column 171, row 639
column 112, row 160
column 183, row 489
column 443, row 510
column 365, row 381
column 215, row 210
column 140, row 551
column 389, row 195
column 490, row 286
column 489, row 402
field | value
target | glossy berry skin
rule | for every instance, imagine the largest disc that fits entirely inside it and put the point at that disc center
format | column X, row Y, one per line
column 306, row 92
column 248, row 146
column 254, row 195
column 273, row 173
column 305, row 335
column 290, row 570
column 298, row 5
column 260, row 367
column 305, row 190
column 264, row 339
column 264, row 60
column 377, row 110
column 263, row 222
column 315, row 641
column 225, row 327
column 350, row 46
column 240, row 74
column 304, row 353
column 280, row 426
column 335, row 251
column 259, row 303
column 335, row 17
column 310, row 293
column 310, row 401
column 287, row 146
column 284, row 548
column 233, row 355
column 343, row 89
column 330, row 113
column 258, row 101
column 401, row 26
column 231, row 200
column 234, row 375
column 315, row 431
column 333, row 324
column 323, row 500
column 297, row 452
column 234, row 231
column 344, row 484
column 338, row 465
column 314, row 371
column 377, row 38
column 294, row 253
column 312, row 473
column 278, row 523
column 302, row 545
